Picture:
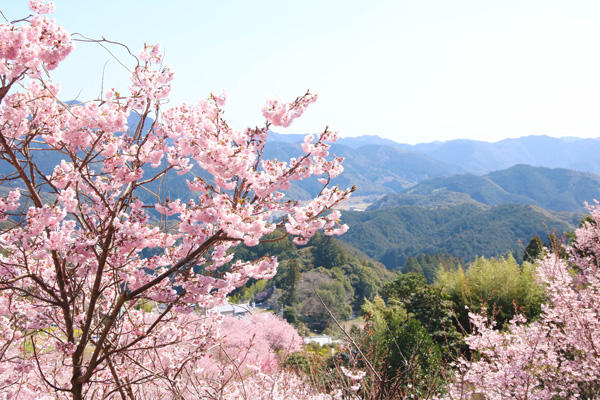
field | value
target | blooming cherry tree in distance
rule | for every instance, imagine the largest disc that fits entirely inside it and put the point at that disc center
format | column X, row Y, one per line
column 86, row 246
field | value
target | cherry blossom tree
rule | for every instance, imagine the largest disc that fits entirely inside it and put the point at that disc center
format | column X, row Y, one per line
column 555, row 356
column 250, row 350
column 83, row 253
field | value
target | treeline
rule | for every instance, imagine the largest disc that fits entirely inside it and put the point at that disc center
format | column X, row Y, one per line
column 428, row 265
column 409, row 325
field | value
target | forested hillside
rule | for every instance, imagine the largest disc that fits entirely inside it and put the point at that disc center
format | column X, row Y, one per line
column 464, row 231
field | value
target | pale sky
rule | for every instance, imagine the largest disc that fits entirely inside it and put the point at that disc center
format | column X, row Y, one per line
column 411, row 71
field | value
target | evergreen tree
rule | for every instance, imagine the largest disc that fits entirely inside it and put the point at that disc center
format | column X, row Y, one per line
column 289, row 282
column 412, row 265
column 534, row 249
column 327, row 252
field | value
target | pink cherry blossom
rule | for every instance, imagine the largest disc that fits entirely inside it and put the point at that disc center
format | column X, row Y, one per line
column 104, row 278
column 353, row 375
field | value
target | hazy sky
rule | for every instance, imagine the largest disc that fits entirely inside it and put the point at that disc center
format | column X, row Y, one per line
column 412, row 71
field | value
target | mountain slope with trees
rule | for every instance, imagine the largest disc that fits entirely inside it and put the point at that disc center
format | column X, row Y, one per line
column 464, row 231
column 323, row 268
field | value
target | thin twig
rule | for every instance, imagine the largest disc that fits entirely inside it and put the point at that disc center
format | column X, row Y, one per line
column 349, row 338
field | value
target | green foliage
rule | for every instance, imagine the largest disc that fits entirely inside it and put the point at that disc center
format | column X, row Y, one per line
column 323, row 286
column 427, row 304
column 438, row 198
column 383, row 318
column 365, row 279
column 327, row 252
column 428, row 264
column 288, row 281
column 317, row 364
column 246, row 293
column 501, row 285
column 289, row 314
column 401, row 349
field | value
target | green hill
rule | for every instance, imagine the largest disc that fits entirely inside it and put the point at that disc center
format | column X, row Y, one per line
column 464, row 231
column 435, row 199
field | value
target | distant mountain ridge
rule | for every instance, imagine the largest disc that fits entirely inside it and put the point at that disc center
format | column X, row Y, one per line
column 353, row 142
column 479, row 157
column 379, row 166
column 555, row 189
column 374, row 169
